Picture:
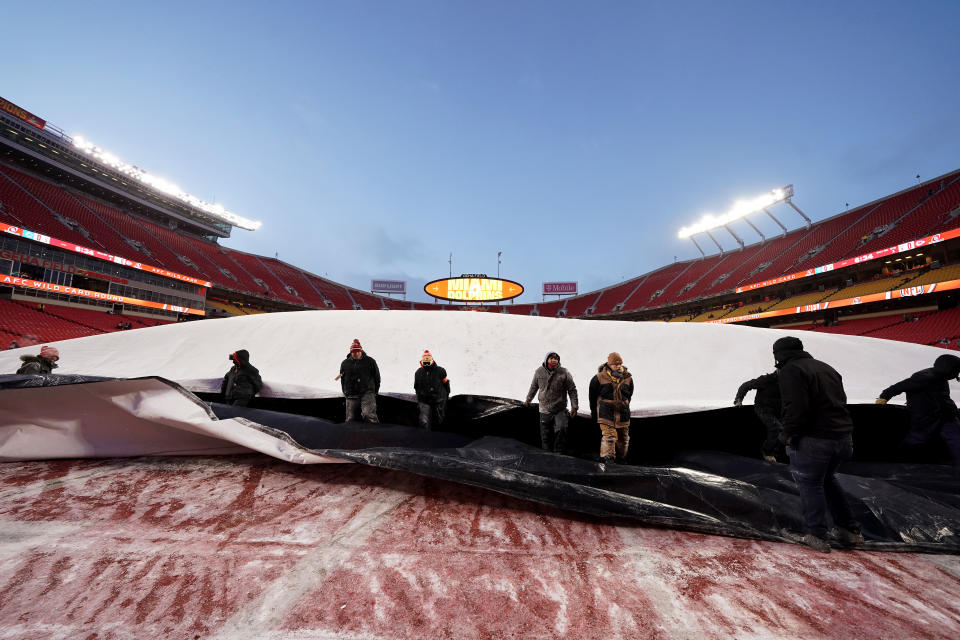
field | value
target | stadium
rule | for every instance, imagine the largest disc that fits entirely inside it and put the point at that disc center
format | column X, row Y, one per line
column 160, row 516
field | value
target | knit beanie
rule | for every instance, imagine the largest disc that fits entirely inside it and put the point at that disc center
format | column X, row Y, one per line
column 356, row 346
column 50, row 353
column 426, row 358
column 614, row 358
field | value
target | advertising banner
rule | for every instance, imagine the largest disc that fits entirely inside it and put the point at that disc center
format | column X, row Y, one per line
column 873, row 255
column 388, row 286
column 100, row 255
column 23, row 114
column 909, row 292
column 12, row 281
column 559, row 288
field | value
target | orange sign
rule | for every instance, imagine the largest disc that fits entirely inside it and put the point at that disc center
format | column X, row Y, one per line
column 40, row 285
column 468, row 289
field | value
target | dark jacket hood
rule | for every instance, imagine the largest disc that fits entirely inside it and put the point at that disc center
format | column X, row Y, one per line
column 547, row 357
column 947, row 366
column 50, row 363
column 783, row 356
column 242, row 355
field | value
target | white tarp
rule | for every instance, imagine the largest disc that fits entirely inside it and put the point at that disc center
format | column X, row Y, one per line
column 677, row 366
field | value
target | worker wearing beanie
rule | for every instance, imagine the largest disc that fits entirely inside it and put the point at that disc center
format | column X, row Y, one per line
column 360, row 380
column 433, row 389
column 818, row 432
column 610, row 393
column 554, row 383
column 41, row 364
column 242, row 381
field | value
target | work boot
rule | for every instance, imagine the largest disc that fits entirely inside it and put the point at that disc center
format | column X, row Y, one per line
column 815, row 542
column 847, row 536
column 812, row 541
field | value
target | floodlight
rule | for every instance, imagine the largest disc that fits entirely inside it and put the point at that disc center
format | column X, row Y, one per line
column 162, row 185
column 740, row 209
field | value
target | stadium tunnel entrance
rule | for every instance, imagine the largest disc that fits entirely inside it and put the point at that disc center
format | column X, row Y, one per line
column 654, row 440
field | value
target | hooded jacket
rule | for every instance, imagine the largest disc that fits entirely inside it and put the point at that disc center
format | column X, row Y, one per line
column 610, row 396
column 928, row 393
column 243, row 379
column 814, row 402
column 768, row 392
column 431, row 383
column 359, row 376
column 36, row 365
column 554, row 385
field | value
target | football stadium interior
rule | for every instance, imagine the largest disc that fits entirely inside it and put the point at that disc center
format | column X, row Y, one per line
column 89, row 249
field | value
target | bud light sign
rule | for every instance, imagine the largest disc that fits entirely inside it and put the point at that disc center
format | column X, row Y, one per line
column 559, row 288
column 388, row 286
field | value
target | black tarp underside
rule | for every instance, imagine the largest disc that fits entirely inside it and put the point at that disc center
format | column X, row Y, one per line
column 902, row 507
column 695, row 471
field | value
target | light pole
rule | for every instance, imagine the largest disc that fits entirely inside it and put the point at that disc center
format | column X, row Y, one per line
column 499, row 253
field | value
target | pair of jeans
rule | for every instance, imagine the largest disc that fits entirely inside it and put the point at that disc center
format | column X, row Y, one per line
column 431, row 414
column 553, row 431
column 365, row 406
column 813, row 464
column 771, row 444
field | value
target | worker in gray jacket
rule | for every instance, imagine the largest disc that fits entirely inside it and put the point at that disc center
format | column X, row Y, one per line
column 554, row 384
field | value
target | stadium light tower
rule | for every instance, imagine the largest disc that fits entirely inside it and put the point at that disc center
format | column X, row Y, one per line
column 739, row 211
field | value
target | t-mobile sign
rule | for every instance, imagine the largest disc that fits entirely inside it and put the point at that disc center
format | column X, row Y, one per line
column 557, row 288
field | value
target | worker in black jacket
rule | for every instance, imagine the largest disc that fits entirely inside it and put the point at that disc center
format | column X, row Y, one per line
column 766, row 405
column 818, row 432
column 360, row 380
column 242, row 382
column 433, row 388
column 932, row 412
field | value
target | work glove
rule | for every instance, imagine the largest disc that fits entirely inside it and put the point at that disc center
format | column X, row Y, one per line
column 573, row 412
column 881, row 401
column 526, row 403
column 339, row 375
column 769, row 458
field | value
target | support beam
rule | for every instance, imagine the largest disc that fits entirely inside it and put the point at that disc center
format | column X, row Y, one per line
column 802, row 214
column 763, row 238
column 715, row 241
column 698, row 247
column 772, row 217
column 735, row 236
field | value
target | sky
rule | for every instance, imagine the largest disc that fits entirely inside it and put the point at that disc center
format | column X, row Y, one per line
column 375, row 138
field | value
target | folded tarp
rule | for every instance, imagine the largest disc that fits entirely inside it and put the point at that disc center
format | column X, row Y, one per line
column 903, row 507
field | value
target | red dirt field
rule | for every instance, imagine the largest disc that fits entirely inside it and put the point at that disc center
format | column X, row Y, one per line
column 252, row 547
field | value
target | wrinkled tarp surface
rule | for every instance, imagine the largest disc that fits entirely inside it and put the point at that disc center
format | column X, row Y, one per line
column 902, row 507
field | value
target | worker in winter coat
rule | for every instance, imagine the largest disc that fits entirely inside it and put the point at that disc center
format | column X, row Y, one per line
column 933, row 413
column 360, row 380
column 242, row 382
column 433, row 388
column 766, row 405
column 818, row 432
column 42, row 364
column 610, row 393
column 553, row 384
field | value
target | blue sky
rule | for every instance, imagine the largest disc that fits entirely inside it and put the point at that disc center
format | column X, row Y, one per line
column 375, row 138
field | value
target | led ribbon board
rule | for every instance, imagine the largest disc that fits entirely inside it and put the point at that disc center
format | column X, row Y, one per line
column 473, row 288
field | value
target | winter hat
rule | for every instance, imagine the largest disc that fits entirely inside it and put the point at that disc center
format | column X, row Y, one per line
column 948, row 365
column 50, row 353
column 355, row 346
column 240, row 355
column 788, row 343
column 426, row 357
column 614, row 358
